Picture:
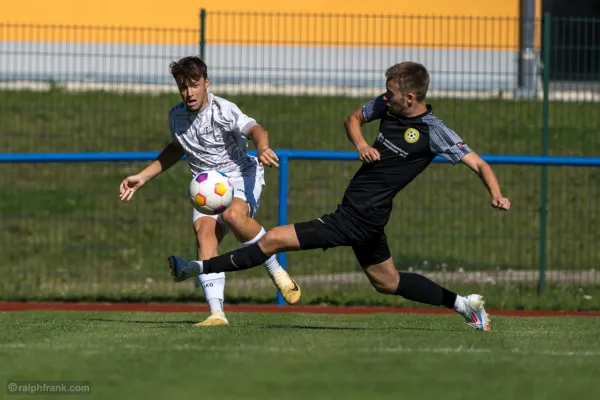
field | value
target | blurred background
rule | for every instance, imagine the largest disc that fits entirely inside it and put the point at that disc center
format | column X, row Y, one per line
column 516, row 79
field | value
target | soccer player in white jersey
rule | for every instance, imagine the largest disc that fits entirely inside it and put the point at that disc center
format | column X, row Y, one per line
column 213, row 133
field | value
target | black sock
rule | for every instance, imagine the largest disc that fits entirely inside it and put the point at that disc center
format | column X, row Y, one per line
column 419, row 288
column 237, row 260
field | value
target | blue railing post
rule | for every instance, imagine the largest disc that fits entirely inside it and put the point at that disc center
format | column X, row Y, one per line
column 283, row 206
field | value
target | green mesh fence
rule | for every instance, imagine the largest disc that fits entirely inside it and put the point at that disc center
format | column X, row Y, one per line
column 65, row 234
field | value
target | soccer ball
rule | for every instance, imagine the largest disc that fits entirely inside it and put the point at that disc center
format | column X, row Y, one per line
column 211, row 192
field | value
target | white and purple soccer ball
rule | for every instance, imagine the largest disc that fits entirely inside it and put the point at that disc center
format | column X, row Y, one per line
column 211, row 192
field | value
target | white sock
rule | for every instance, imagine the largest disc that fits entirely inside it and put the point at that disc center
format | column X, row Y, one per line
column 214, row 289
column 459, row 304
column 215, row 305
column 272, row 265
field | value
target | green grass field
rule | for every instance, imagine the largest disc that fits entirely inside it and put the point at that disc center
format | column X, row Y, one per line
column 126, row 355
column 65, row 233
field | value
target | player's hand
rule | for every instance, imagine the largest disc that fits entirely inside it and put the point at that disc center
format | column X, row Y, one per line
column 367, row 154
column 130, row 185
column 501, row 203
column 267, row 157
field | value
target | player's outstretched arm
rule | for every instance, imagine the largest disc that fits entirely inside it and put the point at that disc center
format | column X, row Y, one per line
column 260, row 137
column 352, row 124
column 165, row 160
column 485, row 172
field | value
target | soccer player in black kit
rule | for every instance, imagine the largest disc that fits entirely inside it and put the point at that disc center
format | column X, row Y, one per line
column 409, row 138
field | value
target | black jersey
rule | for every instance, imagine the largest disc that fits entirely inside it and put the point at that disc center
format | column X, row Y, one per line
column 406, row 146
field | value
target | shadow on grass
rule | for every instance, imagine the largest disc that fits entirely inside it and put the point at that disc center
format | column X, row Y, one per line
column 278, row 326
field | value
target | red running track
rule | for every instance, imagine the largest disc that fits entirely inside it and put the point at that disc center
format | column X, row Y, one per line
column 186, row 307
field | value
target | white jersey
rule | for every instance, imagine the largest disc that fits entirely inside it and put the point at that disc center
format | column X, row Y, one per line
column 215, row 137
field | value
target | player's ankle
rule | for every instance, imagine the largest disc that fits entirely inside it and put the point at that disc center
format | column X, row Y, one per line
column 272, row 265
column 215, row 305
column 460, row 304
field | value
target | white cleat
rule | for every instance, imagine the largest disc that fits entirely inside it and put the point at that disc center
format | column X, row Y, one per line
column 475, row 313
column 288, row 288
column 217, row 318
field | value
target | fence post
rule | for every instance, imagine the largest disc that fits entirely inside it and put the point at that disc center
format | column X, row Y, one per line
column 283, row 207
column 527, row 56
column 202, row 33
column 544, row 178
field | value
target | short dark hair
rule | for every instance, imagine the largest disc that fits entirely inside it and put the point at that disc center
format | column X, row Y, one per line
column 410, row 77
column 188, row 69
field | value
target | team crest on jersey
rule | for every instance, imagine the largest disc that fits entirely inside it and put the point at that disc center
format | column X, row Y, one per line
column 411, row 135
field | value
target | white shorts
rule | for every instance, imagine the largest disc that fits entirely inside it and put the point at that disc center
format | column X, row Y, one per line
column 246, row 187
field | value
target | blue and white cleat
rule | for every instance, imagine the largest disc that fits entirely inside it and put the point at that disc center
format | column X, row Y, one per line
column 475, row 313
column 176, row 266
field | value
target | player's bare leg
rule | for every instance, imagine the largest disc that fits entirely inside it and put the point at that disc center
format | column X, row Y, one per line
column 208, row 236
column 242, row 226
column 280, row 239
column 384, row 277
column 387, row 280
column 248, row 231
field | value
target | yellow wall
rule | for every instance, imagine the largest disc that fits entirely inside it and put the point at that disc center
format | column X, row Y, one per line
column 184, row 15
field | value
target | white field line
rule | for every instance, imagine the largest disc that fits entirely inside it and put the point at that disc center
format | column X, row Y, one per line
column 96, row 348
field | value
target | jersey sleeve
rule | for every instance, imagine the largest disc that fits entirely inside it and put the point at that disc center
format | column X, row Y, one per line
column 237, row 121
column 374, row 109
column 446, row 143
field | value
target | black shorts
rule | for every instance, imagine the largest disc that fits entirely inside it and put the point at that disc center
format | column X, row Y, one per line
column 336, row 230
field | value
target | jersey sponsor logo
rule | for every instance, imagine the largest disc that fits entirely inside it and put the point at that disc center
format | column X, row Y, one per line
column 381, row 139
column 216, row 132
column 411, row 135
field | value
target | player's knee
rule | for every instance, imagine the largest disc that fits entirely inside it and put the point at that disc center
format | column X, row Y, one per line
column 234, row 216
column 272, row 241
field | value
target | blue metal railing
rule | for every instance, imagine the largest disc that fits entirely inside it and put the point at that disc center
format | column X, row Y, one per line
column 287, row 154
column 284, row 157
